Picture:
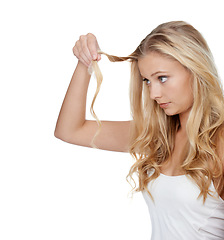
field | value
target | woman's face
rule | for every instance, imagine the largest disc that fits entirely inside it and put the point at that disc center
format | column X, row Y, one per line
column 169, row 83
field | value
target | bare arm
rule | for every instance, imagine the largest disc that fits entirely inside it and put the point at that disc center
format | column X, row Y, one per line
column 72, row 125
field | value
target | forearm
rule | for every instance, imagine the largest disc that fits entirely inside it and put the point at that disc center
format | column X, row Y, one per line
column 73, row 110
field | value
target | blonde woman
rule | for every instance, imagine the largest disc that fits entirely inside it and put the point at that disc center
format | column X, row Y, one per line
column 176, row 135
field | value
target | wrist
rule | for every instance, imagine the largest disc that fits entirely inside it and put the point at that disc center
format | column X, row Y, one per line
column 84, row 68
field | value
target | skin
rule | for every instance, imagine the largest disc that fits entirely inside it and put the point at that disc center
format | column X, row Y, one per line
column 173, row 86
column 170, row 85
column 72, row 125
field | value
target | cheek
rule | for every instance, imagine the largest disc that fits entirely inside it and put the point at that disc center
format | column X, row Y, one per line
column 186, row 94
column 180, row 92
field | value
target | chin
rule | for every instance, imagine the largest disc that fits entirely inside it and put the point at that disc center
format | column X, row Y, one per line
column 169, row 113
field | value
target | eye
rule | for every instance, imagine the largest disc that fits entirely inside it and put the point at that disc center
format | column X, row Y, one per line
column 163, row 78
column 146, row 80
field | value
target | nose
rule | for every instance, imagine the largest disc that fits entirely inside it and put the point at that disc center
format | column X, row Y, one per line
column 155, row 91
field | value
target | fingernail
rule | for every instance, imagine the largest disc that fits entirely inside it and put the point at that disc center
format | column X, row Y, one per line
column 94, row 57
column 98, row 58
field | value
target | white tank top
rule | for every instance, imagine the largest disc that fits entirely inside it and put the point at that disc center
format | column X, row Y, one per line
column 177, row 214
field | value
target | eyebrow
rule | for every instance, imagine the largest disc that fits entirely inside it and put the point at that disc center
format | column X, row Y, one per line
column 154, row 73
column 157, row 73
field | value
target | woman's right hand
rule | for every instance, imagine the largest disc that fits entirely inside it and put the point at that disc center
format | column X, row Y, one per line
column 86, row 49
column 72, row 125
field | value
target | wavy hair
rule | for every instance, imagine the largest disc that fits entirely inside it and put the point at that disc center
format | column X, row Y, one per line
column 153, row 132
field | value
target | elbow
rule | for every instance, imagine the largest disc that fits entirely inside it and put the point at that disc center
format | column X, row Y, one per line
column 56, row 134
column 65, row 137
column 60, row 135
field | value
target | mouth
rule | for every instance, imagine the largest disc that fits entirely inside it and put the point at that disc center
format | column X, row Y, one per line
column 164, row 105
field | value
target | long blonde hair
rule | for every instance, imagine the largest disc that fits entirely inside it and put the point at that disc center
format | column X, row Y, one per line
column 153, row 132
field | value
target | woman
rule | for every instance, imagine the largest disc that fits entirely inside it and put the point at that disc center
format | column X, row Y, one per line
column 176, row 135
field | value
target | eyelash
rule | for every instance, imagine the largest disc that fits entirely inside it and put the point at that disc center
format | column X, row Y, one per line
column 159, row 78
column 146, row 80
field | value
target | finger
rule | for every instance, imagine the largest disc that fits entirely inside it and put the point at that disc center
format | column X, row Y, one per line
column 84, row 59
column 84, row 48
column 98, row 57
column 93, row 46
column 78, row 52
column 75, row 48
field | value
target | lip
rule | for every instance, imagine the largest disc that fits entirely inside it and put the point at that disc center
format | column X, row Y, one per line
column 164, row 105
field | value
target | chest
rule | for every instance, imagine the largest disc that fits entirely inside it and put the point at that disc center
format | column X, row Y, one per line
column 178, row 213
column 172, row 166
column 177, row 193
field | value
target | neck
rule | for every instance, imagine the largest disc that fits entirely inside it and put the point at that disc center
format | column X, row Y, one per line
column 183, row 117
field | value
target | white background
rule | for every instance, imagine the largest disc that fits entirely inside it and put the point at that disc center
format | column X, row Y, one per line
column 50, row 189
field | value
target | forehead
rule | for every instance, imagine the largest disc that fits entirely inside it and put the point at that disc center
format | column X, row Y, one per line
column 153, row 62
